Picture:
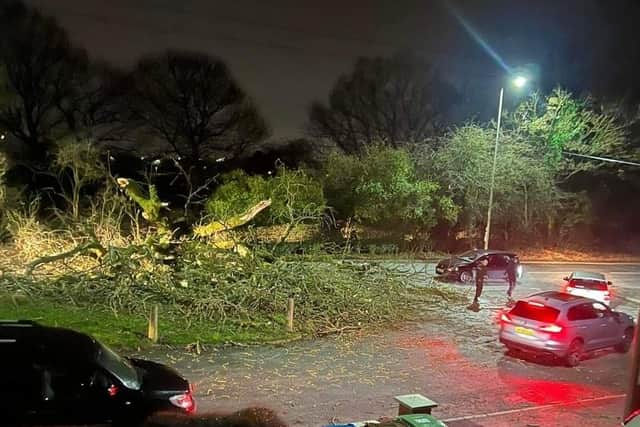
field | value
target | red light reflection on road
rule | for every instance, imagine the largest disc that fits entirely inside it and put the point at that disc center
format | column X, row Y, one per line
column 516, row 390
column 542, row 392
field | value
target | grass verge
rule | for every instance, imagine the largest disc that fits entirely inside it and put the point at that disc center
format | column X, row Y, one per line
column 129, row 331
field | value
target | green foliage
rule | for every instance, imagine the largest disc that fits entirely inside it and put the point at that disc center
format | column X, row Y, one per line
column 382, row 187
column 531, row 165
column 562, row 123
column 294, row 195
column 524, row 188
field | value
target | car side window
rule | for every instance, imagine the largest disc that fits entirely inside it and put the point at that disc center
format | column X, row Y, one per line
column 498, row 261
column 65, row 381
column 600, row 309
column 582, row 312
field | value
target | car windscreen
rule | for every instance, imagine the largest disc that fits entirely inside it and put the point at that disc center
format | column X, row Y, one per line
column 592, row 285
column 119, row 367
column 535, row 311
column 469, row 255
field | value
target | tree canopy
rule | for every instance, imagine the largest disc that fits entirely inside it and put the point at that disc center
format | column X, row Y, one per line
column 41, row 70
column 191, row 103
column 392, row 101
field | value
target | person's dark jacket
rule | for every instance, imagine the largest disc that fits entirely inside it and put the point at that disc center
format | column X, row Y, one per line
column 512, row 269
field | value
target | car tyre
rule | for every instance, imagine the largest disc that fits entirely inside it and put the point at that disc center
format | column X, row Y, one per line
column 624, row 345
column 574, row 355
column 465, row 276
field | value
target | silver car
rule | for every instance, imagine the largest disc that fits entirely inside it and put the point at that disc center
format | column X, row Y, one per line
column 565, row 326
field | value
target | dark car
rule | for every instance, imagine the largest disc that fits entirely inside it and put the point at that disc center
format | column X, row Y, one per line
column 460, row 267
column 59, row 376
column 566, row 326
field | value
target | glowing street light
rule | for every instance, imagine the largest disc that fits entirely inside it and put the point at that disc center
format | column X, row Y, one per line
column 519, row 82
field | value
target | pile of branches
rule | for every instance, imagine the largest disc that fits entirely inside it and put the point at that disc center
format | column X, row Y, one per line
column 205, row 284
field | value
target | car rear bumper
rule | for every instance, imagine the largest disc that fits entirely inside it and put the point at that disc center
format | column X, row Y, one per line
column 555, row 348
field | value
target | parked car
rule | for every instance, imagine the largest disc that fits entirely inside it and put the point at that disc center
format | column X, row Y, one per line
column 564, row 325
column 58, row 376
column 460, row 267
column 590, row 285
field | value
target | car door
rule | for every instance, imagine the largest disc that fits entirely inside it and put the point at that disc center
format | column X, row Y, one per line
column 609, row 327
column 585, row 323
column 69, row 394
column 19, row 382
column 497, row 267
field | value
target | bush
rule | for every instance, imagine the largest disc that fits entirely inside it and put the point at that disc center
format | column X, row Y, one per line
column 382, row 187
column 293, row 194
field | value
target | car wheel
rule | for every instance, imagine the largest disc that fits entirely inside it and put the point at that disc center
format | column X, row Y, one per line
column 624, row 345
column 574, row 355
column 465, row 277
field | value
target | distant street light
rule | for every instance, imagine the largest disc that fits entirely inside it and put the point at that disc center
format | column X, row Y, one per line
column 519, row 82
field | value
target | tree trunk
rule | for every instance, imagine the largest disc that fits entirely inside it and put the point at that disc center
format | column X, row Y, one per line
column 526, row 208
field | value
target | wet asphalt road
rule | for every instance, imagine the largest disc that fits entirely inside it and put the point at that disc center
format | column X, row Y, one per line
column 453, row 358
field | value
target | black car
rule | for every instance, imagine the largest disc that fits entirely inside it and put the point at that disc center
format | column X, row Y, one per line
column 58, row 376
column 460, row 267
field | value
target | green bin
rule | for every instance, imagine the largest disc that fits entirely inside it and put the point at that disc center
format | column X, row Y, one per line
column 420, row 420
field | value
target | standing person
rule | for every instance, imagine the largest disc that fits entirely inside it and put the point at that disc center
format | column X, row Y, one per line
column 512, row 276
column 480, row 272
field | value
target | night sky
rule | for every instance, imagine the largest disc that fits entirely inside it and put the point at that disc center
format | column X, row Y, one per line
column 287, row 53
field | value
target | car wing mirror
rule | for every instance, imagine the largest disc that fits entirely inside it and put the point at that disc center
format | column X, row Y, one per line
column 609, row 282
column 566, row 279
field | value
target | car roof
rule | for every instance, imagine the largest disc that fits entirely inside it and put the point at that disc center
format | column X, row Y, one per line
column 56, row 343
column 556, row 299
column 588, row 275
column 482, row 252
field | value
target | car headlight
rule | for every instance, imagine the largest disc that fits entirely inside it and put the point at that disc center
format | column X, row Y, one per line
column 520, row 269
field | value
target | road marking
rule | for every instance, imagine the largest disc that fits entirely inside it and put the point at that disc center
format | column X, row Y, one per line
column 633, row 300
column 544, row 272
column 525, row 262
column 535, row 408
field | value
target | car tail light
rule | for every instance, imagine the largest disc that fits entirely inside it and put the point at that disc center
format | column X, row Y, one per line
column 551, row 328
column 505, row 318
column 184, row 401
column 113, row 390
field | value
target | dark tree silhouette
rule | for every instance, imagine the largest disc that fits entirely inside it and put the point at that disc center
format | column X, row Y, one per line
column 93, row 109
column 41, row 74
column 390, row 100
column 190, row 102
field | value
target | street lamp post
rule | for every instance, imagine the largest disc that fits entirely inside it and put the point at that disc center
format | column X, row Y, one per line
column 519, row 82
column 487, row 229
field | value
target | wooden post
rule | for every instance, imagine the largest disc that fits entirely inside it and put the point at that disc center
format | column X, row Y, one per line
column 152, row 331
column 290, row 316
